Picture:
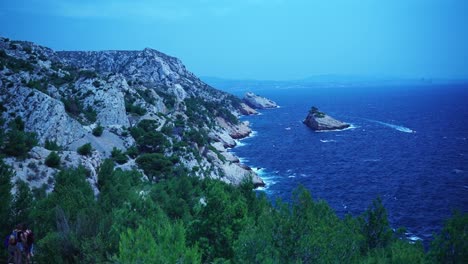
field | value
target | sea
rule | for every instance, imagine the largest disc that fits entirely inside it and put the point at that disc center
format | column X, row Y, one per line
column 407, row 145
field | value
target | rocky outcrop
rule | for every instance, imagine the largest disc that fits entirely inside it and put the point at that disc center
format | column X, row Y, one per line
column 320, row 121
column 247, row 110
column 258, row 102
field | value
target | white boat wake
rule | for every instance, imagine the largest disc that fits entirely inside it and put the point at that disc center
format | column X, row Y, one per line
column 396, row 127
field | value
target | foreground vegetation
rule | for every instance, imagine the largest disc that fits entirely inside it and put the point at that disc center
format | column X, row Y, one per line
column 186, row 220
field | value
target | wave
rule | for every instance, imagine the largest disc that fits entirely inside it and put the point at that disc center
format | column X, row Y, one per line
column 242, row 160
column 267, row 178
column 396, row 127
column 239, row 143
column 412, row 238
column 327, row 140
column 371, row 160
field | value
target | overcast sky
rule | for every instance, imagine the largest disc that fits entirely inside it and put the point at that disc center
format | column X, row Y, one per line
column 260, row 39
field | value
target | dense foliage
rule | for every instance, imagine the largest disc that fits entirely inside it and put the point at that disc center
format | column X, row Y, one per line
column 15, row 141
column 186, row 220
column 53, row 160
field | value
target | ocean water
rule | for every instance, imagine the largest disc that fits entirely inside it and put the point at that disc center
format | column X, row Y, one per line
column 408, row 145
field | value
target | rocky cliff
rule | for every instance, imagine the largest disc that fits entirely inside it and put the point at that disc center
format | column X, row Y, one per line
column 320, row 121
column 258, row 102
column 143, row 100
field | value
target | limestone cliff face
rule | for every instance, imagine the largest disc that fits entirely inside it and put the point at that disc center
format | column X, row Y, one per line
column 258, row 102
column 321, row 122
column 62, row 96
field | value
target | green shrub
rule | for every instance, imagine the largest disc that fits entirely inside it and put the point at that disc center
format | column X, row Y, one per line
column 450, row 246
column 53, row 160
column 96, row 84
column 72, row 106
column 118, row 156
column 52, row 145
column 87, row 74
column 156, row 166
column 315, row 112
column 97, row 131
column 135, row 109
column 17, row 142
column 132, row 152
column 90, row 114
column 85, row 150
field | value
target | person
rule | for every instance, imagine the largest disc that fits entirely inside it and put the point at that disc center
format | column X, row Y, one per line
column 10, row 244
column 27, row 241
column 15, row 246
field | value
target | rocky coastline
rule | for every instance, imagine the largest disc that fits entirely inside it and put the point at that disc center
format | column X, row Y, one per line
column 62, row 97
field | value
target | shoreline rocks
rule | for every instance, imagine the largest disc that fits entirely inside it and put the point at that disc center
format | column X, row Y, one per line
column 320, row 121
column 258, row 102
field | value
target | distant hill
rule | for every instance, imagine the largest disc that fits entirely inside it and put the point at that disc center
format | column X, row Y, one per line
column 240, row 87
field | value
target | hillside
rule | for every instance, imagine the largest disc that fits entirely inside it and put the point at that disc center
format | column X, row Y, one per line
column 143, row 102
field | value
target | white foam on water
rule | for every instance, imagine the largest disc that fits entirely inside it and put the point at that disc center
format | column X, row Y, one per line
column 327, row 140
column 267, row 179
column 243, row 160
column 239, row 143
column 259, row 171
column 351, row 126
column 396, row 127
column 371, row 160
column 253, row 134
column 413, row 237
column 292, row 176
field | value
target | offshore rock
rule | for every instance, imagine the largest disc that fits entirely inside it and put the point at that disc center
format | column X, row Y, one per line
column 320, row 121
column 258, row 102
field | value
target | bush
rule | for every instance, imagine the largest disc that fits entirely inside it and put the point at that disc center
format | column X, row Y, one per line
column 118, row 156
column 90, row 114
column 85, row 150
column 97, row 131
column 132, row 152
column 87, row 74
column 53, row 160
column 135, row 109
column 156, row 166
column 96, row 84
column 52, row 145
column 16, row 142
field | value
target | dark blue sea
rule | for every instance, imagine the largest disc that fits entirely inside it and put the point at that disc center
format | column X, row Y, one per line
column 408, row 145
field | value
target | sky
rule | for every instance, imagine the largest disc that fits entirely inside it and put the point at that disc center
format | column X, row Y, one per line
column 260, row 39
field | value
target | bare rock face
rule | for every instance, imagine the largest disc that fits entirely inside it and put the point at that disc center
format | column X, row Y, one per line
column 247, row 110
column 320, row 121
column 238, row 131
column 42, row 114
column 258, row 102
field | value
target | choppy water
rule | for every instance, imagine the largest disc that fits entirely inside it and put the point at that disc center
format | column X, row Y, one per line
column 408, row 145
